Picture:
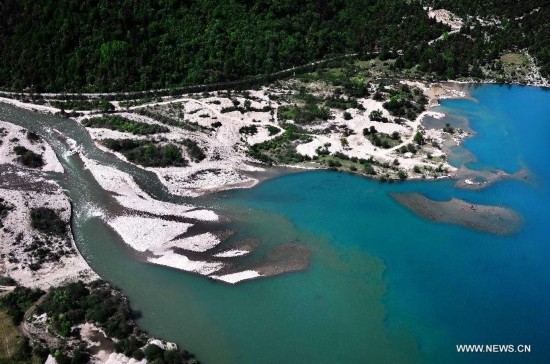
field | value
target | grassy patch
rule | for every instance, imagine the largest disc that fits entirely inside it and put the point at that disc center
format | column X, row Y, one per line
column 514, row 58
column 11, row 338
column 120, row 123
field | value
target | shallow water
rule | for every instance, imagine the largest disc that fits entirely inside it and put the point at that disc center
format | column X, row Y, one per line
column 384, row 285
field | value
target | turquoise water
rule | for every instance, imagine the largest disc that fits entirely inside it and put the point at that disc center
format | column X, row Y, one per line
column 445, row 285
column 384, row 285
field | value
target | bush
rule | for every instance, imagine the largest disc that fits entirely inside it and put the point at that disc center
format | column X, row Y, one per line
column 448, row 128
column 193, row 150
column 33, row 137
column 282, row 148
column 18, row 301
column 347, row 115
column 101, row 105
column 47, row 221
column 153, row 352
column 249, row 130
column 5, row 208
column 376, row 115
column 147, row 153
column 419, row 138
column 402, row 175
column 273, row 130
column 28, row 158
column 369, row 169
column 307, row 114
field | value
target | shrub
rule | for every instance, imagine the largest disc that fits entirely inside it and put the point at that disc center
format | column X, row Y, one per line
column 18, row 301
column 249, row 130
column 347, row 115
column 369, row 169
column 306, row 114
column 153, row 352
column 5, row 208
column 193, row 150
column 273, row 130
column 147, row 153
column 375, row 115
column 47, row 221
column 448, row 128
column 33, row 137
column 419, row 138
column 28, row 158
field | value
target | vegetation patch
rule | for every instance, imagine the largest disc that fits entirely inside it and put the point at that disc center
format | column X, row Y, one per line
column 193, row 150
column 273, row 130
column 122, row 124
column 101, row 105
column 18, row 301
column 337, row 102
column 167, row 120
column 47, row 221
column 376, row 115
column 28, row 158
column 281, row 149
column 304, row 115
column 14, row 347
column 33, row 137
column 249, row 130
column 100, row 304
column 405, row 102
column 147, row 153
column 382, row 140
column 5, row 208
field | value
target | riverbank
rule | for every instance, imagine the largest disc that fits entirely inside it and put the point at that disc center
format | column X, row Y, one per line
column 38, row 252
column 215, row 134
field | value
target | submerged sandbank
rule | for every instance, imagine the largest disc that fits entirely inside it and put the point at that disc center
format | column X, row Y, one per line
column 487, row 218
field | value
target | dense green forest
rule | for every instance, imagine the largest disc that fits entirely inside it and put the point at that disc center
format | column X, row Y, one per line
column 113, row 45
column 507, row 25
column 76, row 45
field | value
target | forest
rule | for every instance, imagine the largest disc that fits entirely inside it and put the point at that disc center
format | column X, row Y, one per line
column 114, row 45
column 508, row 25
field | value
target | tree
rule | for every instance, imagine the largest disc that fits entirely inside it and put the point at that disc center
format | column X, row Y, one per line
column 419, row 138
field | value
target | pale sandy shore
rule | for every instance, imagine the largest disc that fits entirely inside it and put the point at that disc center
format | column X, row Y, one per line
column 161, row 229
column 13, row 135
column 22, row 190
column 238, row 277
